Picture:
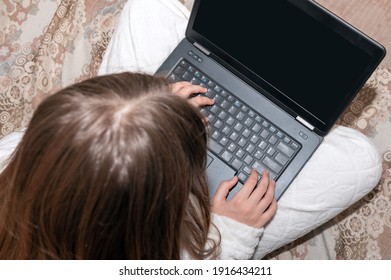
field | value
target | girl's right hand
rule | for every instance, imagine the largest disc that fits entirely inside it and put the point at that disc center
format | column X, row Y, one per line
column 254, row 204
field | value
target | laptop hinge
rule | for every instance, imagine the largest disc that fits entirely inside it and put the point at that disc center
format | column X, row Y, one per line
column 201, row 48
column 304, row 122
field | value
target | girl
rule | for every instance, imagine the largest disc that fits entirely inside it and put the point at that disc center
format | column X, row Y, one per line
column 114, row 168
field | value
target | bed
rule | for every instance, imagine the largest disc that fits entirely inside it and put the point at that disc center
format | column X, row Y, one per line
column 48, row 44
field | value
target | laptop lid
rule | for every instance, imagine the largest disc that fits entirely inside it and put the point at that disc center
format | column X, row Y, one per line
column 295, row 52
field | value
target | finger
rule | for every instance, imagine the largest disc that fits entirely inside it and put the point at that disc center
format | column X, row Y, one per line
column 248, row 186
column 200, row 101
column 270, row 212
column 175, row 87
column 262, row 187
column 223, row 190
column 190, row 89
column 268, row 198
column 266, row 216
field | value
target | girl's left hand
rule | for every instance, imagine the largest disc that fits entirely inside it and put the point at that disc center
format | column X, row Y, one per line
column 193, row 93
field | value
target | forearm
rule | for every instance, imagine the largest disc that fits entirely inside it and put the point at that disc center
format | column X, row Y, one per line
column 238, row 241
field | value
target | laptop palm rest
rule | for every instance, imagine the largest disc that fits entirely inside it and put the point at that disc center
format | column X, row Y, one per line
column 218, row 171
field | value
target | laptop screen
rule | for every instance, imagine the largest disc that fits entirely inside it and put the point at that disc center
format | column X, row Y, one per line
column 307, row 60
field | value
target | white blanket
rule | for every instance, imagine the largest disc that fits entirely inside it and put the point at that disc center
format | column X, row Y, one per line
column 146, row 34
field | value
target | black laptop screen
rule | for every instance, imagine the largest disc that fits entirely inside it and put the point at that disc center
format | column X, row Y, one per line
column 310, row 63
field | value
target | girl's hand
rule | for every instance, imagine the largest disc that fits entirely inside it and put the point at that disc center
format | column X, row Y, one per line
column 254, row 204
column 193, row 93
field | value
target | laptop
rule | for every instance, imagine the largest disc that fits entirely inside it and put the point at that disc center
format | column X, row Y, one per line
column 281, row 73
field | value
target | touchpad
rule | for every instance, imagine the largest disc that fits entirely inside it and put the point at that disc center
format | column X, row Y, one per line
column 217, row 171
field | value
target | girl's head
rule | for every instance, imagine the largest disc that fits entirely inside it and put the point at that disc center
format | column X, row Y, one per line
column 109, row 168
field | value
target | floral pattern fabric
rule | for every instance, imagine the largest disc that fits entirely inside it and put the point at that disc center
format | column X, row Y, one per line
column 46, row 45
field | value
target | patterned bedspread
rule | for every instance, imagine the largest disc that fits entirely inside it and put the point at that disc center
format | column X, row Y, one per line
column 48, row 44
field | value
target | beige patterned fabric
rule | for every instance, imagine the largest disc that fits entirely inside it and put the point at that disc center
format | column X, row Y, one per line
column 48, row 44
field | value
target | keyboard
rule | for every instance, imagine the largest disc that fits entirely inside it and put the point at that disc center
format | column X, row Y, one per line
column 239, row 136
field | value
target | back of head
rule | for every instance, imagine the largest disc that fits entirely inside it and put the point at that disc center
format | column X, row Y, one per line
column 105, row 171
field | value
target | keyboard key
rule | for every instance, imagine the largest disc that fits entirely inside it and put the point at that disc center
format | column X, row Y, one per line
column 214, row 109
column 285, row 149
column 187, row 76
column 238, row 127
column 259, row 167
column 270, row 151
column 274, row 166
column 273, row 140
column 174, row 78
column 204, row 79
column 262, row 145
column 256, row 128
column 247, row 170
column 258, row 154
column 214, row 146
column 244, row 108
column 248, row 159
column 254, row 139
column 226, row 130
column 281, row 159
column 240, row 153
column 218, row 89
column 211, row 84
column 227, row 156
column 250, row 148
column 294, row 145
column 198, row 74
column 234, row 136
column 242, row 177
column 218, row 124
column 191, row 69
column 232, row 110
column 230, row 121
column 242, row 142
column 224, row 141
column 222, row 115
column 184, row 64
column 279, row 134
column 224, row 104
column 232, row 147
column 287, row 140
column 216, row 135
column 210, row 93
column 248, row 122
column 264, row 134
column 179, row 70
column 237, row 164
column 240, row 116
column 195, row 81
column 246, row 133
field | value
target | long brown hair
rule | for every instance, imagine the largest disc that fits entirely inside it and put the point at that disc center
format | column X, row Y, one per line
column 106, row 170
